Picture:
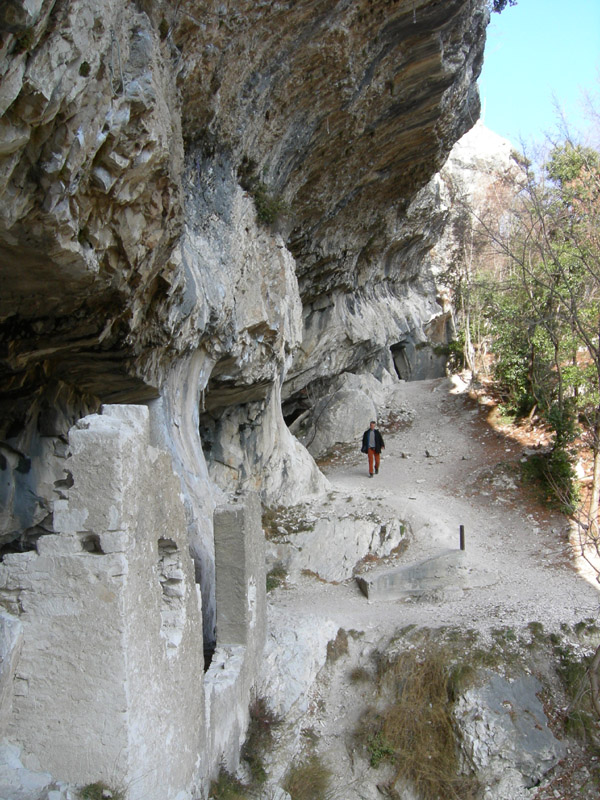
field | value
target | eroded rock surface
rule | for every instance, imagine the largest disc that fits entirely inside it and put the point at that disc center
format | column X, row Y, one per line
column 506, row 735
column 330, row 538
column 123, row 127
column 139, row 141
column 209, row 209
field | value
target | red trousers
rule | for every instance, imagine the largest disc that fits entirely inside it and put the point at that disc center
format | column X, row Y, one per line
column 373, row 457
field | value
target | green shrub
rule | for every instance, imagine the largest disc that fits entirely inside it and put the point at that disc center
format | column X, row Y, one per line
column 379, row 749
column 555, row 475
column 259, row 738
column 227, row 787
column 276, row 577
column 456, row 353
column 269, row 208
column 308, row 780
column 100, row 791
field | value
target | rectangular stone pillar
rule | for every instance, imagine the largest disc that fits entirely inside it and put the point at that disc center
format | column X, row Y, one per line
column 11, row 642
column 240, row 573
column 241, row 627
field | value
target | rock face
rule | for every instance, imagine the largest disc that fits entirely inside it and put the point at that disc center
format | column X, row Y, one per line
column 126, row 128
column 506, row 735
column 122, row 665
column 331, row 539
column 147, row 150
column 11, row 642
column 474, row 177
column 342, row 414
column 133, row 265
column 105, row 629
column 478, row 176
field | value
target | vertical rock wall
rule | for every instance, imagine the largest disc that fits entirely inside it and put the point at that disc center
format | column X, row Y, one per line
column 103, row 658
column 111, row 615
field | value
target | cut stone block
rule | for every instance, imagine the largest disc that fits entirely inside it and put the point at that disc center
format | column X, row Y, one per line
column 447, row 570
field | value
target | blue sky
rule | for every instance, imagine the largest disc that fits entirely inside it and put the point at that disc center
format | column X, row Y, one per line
column 537, row 52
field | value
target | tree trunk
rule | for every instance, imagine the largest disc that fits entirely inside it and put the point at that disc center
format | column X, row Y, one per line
column 558, row 368
column 595, row 491
column 469, row 349
column 594, row 683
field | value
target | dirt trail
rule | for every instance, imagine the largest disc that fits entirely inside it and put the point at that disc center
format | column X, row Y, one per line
column 447, row 469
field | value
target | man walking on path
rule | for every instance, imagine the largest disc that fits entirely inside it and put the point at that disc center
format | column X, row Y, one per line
column 372, row 445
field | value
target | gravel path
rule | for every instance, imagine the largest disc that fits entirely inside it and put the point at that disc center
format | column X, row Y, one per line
column 449, row 468
column 445, row 469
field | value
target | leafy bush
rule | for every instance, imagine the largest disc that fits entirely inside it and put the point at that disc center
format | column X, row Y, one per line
column 563, row 421
column 379, row 749
column 276, row 577
column 269, row 208
column 555, row 474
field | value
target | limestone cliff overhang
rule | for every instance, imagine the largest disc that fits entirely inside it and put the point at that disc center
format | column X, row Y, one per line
column 343, row 110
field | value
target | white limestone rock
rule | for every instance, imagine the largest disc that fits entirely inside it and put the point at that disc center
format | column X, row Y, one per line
column 279, row 794
column 340, row 339
column 295, row 652
column 339, row 417
column 17, row 782
column 111, row 617
column 334, row 548
column 505, row 733
column 478, row 158
column 252, row 449
column 475, row 175
column 344, row 413
column 11, row 642
column 328, row 539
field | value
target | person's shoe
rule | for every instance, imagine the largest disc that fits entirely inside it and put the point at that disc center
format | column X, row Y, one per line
column 376, row 470
column 370, row 474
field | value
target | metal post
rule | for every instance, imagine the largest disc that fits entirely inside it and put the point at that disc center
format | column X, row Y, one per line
column 462, row 537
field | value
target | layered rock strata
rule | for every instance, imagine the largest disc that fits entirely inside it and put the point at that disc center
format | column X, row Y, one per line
column 132, row 263
column 203, row 208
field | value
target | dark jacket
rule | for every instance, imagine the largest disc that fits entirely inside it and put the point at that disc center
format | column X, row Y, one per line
column 378, row 441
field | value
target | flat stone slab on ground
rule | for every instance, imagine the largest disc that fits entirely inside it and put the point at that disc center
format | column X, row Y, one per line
column 448, row 569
